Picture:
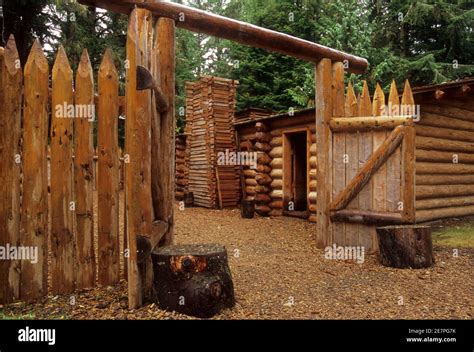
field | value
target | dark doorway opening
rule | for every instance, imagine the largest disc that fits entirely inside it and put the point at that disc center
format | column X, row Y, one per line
column 295, row 174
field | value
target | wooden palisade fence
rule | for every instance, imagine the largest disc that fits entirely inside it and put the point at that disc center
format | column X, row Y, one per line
column 70, row 103
column 70, row 236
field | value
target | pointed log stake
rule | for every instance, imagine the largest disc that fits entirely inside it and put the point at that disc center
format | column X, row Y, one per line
column 62, row 200
column 365, row 151
column 138, row 147
column 146, row 81
column 394, row 163
column 10, row 117
column 244, row 33
column 408, row 153
column 83, row 175
column 34, row 213
column 163, row 130
column 108, row 173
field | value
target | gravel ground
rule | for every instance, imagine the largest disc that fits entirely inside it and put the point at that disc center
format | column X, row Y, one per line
column 279, row 274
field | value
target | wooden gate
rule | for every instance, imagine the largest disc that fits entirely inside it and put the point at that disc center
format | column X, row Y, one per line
column 366, row 159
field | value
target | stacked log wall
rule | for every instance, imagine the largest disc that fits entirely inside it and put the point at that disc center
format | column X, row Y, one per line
column 445, row 158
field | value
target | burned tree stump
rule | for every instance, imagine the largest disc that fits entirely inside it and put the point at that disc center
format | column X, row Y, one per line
column 188, row 199
column 405, row 246
column 193, row 279
column 247, row 209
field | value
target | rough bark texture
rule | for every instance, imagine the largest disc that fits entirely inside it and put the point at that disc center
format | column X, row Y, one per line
column 405, row 246
column 247, row 209
column 193, row 279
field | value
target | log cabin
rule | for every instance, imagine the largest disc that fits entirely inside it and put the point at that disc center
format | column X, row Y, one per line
column 444, row 156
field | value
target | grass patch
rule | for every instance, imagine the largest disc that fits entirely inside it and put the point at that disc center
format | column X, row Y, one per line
column 461, row 235
column 11, row 316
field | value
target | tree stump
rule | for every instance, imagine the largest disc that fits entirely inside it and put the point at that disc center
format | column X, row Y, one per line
column 405, row 246
column 193, row 279
column 188, row 199
column 247, row 209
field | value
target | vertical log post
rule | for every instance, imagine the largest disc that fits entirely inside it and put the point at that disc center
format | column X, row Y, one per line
column 324, row 142
column 408, row 152
column 339, row 146
column 34, row 212
column 394, row 162
column 138, row 148
column 62, row 200
column 163, row 128
column 108, row 173
column 83, row 174
column 10, row 163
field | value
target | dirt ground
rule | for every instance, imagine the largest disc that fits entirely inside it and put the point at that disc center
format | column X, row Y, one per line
column 279, row 274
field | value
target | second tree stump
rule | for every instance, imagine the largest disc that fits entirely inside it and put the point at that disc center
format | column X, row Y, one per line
column 405, row 246
column 193, row 279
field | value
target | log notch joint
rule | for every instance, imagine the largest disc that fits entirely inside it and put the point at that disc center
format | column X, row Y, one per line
column 262, row 189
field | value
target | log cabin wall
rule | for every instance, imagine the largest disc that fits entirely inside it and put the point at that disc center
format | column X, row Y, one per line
column 277, row 126
column 445, row 151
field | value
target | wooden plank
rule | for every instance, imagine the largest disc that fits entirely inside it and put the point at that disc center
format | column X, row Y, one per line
column 338, row 147
column 62, row 197
column 408, row 162
column 352, row 165
column 324, row 142
column 138, row 147
column 10, row 163
column 34, row 212
column 365, row 151
column 83, row 176
column 378, row 158
column 394, row 180
column 108, row 173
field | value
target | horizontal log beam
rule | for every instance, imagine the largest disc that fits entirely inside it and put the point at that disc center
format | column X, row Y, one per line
column 445, row 202
column 244, row 33
column 444, row 133
column 369, row 123
column 430, row 143
column 443, row 213
column 366, row 217
column 444, row 179
column 437, row 191
column 448, row 111
column 424, row 168
column 378, row 158
column 435, row 120
column 444, row 157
